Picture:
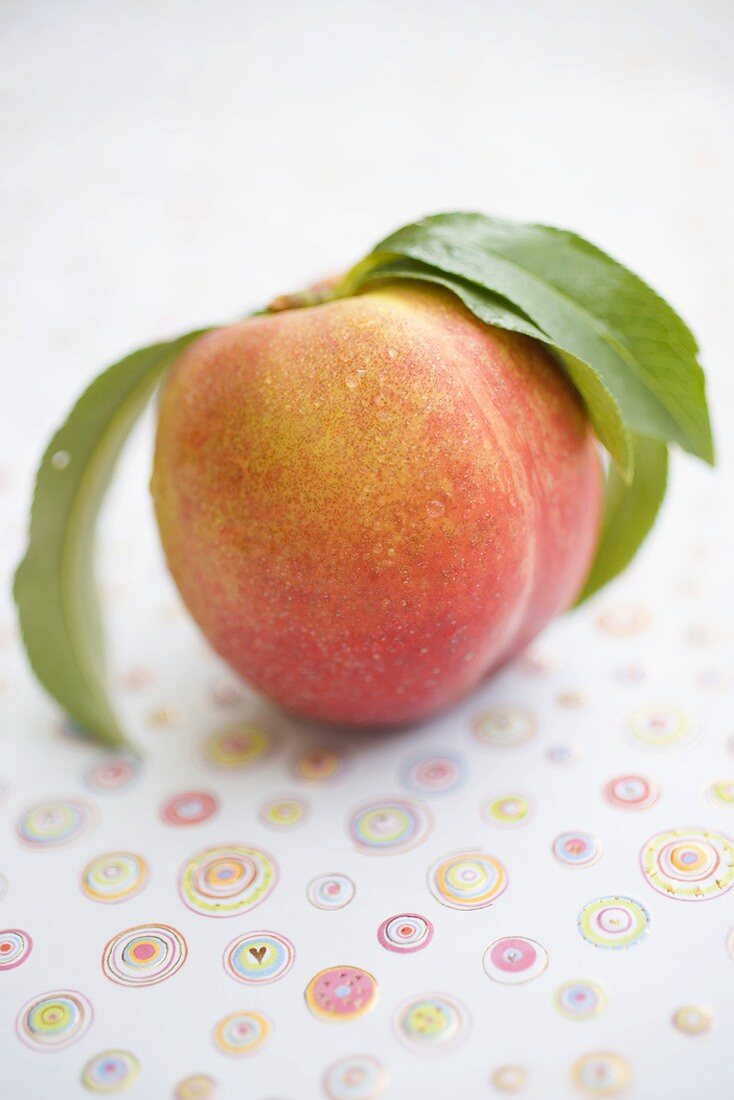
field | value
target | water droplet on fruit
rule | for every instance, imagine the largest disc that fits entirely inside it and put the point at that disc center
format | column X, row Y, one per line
column 435, row 508
column 60, row 460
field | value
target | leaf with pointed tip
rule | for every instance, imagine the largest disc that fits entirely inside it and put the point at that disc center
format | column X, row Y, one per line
column 54, row 587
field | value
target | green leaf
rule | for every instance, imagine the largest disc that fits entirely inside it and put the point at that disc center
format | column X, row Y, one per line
column 587, row 304
column 629, row 512
column 54, row 588
column 603, row 410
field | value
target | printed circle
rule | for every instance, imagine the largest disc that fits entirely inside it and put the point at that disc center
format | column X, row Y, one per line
column 432, row 1022
column 341, row 993
column 283, row 813
column 224, row 881
column 507, row 810
column 631, row 792
column 15, row 947
column 689, row 864
column 236, row 748
column 505, row 726
column 693, row 1020
column 110, row 1071
column 145, row 955
column 514, row 959
column 405, row 933
column 51, row 824
column 660, row 727
column 580, row 1000
column 113, row 773
column 258, row 958
column 436, row 773
column 189, row 808
column 332, row 891
column 577, row 849
column 359, row 1077
column 613, row 922
column 319, row 766
column 3, row 886
column 722, row 793
column 623, row 621
column 601, row 1074
column 54, row 1020
column 509, row 1079
column 197, row 1087
column 114, row 876
column 563, row 754
column 467, row 880
column 241, row 1033
column 389, row 826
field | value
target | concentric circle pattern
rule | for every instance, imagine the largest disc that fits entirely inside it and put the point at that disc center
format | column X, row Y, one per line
column 283, row 813
column 320, row 766
column 341, row 993
column 197, row 1087
column 601, row 1074
column 114, row 876
column 360, row 1077
column 661, row 727
column 467, row 880
column 405, row 933
column 242, row 1033
column 514, row 959
column 54, row 1020
column 433, row 1022
column 613, row 922
column 389, row 826
column 631, row 792
column 693, row 1020
column 434, row 774
column 580, row 1000
column 15, row 947
column 332, row 891
column 508, row 810
column 258, row 958
column 225, row 881
column 145, row 955
column 577, row 849
column 111, row 1071
column 52, row 824
column 113, row 773
column 689, row 864
column 505, row 726
column 237, row 748
column 189, row 808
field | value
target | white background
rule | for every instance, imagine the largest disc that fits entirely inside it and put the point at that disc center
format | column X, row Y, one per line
column 166, row 165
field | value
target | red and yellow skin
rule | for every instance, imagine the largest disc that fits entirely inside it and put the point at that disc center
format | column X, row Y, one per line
column 368, row 505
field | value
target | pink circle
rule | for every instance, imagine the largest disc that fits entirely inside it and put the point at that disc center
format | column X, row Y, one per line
column 189, row 808
column 143, row 951
column 513, row 954
column 343, row 990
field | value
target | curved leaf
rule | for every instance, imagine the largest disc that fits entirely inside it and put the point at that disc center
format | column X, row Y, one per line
column 603, row 410
column 54, row 587
column 588, row 304
column 629, row 513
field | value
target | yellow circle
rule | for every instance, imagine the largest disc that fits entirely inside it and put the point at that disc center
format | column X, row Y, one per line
column 601, row 1074
column 693, row 1020
column 509, row 1079
column 241, row 1033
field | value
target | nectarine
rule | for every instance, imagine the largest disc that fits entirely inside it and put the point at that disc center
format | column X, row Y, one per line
column 369, row 504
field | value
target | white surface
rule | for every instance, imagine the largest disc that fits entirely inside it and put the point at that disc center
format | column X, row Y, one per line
column 171, row 164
